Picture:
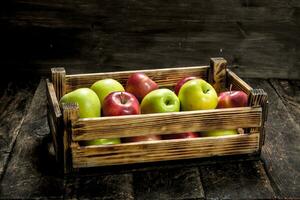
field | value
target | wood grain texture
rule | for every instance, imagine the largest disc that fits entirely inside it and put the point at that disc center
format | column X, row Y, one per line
column 15, row 101
column 237, row 83
column 280, row 151
column 163, row 77
column 259, row 98
column 54, row 117
column 237, row 180
column 165, row 123
column 70, row 115
column 99, row 186
column 289, row 93
column 177, row 184
column 91, row 156
column 258, row 38
column 59, row 81
column 218, row 74
column 31, row 171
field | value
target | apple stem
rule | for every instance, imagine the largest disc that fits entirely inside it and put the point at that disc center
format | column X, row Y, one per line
column 122, row 98
column 230, row 88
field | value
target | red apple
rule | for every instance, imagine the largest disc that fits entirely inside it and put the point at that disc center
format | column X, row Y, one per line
column 120, row 103
column 139, row 84
column 230, row 99
column 141, row 138
column 181, row 82
column 180, row 135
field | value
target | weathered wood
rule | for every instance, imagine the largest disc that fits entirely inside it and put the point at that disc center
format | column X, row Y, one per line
column 165, row 123
column 54, row 117
column 70, row 115
column 15, row 101
column 238, row 180
column 91, row 156
column 259, row 98
column 34, row 174
column 163, row 77
column 59, row 82
column 280, row 151
column 178, row 184
column 217, row 74
column 98, row 186
column 289, row 93
column 31, row 172
column 156, row 34
column 237, row 83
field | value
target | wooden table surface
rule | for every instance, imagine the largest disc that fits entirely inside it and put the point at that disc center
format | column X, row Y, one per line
column 28, row 168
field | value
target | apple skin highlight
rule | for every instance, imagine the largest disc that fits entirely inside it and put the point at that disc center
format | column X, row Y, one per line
column 231, row 99
column 120, row 103
column 139, row 84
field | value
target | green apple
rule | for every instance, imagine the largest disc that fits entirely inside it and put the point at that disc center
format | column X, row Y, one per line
column 103, row 141
column 197, row 94
column 87, row 99
column 218, row 133
column 159, row 101
column 105, row 86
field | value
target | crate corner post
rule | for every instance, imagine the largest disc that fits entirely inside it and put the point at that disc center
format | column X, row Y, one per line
column 70, row 115
column 58, row 76
column 217, row 73
column 259, row 98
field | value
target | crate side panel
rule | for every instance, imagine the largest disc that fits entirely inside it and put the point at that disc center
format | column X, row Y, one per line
column 167, row 77
column 93, row 156
column 166, row 123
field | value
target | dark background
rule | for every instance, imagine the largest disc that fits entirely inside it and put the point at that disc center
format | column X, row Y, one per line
column 259, row 38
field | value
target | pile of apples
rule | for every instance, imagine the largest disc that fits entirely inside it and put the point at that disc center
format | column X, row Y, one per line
column 142, row 95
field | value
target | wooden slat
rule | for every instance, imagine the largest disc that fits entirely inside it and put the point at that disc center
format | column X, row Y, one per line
column 53, row 100
column 164, row 77
column 237, row 82
column 54, row 117
column 91, row 156
column 165, row 123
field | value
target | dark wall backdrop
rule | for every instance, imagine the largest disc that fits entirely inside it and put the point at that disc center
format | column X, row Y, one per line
column 260, row 38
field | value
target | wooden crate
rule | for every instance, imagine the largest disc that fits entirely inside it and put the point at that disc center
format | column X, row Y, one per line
column 68, row 129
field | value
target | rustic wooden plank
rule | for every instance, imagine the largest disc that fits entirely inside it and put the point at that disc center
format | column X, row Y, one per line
column 54, row 117
column 280, row 151
column 92, row 156
column 156, row 34
column 15, row 101
column 178, row 183
column 163, row 77
column 289, row 93
column 237, row 83
column 31, row 171
column 237, row 180
column 98, row 186
column 166, row 123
